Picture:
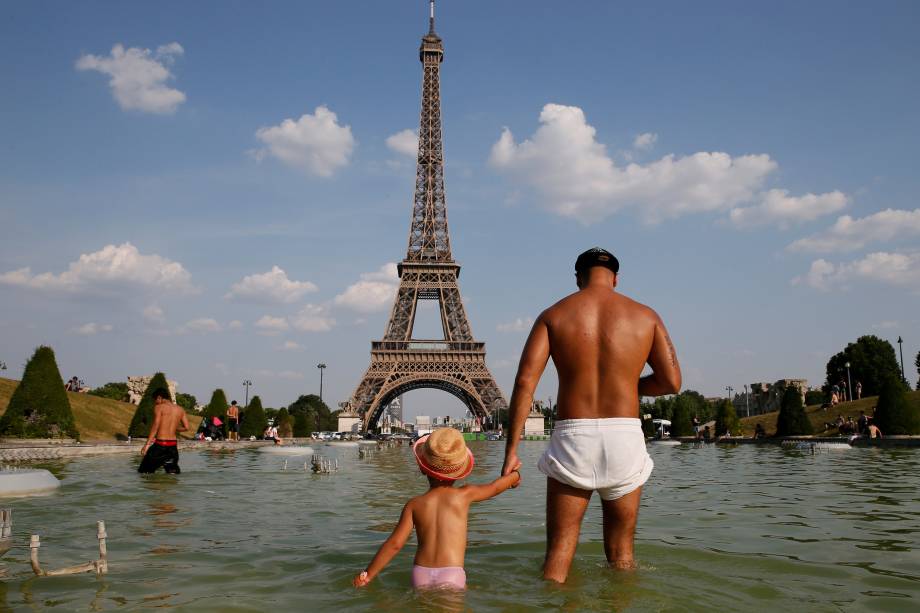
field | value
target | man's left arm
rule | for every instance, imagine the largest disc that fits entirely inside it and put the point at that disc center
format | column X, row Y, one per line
column 154, row 428
column 533, row 363
column 183, row 423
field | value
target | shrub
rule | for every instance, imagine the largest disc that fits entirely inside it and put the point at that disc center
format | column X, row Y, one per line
column 680, row 419
column 726, row 419
column 39, row 408
column 792, row 419
column 143, row 415
column 254, row 420
column 302, row 424
column 813, row 397
column 894, row 414
column 112, row 391
column 218, row 405
column 186, row 401
column 283, row 423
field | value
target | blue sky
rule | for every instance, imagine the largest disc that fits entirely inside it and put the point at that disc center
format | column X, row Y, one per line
column 222, row 196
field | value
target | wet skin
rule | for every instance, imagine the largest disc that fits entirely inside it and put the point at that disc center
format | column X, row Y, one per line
column 440, row 520
column 600, row 342
column 168, row 420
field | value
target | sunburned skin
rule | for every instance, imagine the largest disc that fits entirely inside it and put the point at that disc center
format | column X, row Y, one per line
column 600, row 342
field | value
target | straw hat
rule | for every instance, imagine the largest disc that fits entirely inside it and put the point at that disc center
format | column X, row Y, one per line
column 443, row 454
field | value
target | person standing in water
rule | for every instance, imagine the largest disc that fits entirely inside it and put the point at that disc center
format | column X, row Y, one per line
column 439, row 516
column 162, row 448
column 233, row 421
column 600, row 342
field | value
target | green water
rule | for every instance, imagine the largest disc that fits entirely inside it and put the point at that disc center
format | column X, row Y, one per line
column 733, row 529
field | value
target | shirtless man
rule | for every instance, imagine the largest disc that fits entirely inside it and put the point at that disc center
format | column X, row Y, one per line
column 600, row 341
column 161, row 447
column 233, row 421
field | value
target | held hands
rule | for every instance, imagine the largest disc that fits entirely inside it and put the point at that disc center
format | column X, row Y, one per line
column 512, row 463
column 361, row 580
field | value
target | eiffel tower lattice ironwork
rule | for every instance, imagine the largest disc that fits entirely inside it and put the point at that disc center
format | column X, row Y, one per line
column 456, row 363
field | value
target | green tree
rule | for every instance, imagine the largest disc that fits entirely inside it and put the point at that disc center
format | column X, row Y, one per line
column 143, row 415
column 792, row 419
column 680, row 419
column 726, row 418
column 894, row 414
column 319, row 417
column 254, row 420
column 813, row 397
column 283, row 423
column 218, row 405
column 301, row 424
column 871, row 359
column 39, row 408
column 917, row 364
column 113, row 391
column 186, row 401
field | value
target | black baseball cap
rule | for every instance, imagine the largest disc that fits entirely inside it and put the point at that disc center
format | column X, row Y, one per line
column 597, row 257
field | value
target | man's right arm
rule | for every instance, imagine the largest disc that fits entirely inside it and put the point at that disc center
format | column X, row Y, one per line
column 665, row 377
column 533, row 363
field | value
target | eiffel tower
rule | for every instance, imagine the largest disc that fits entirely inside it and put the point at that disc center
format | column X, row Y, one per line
column 456, row 363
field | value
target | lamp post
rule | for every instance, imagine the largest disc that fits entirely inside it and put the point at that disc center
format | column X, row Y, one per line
column 901, row 349
column 321, row 368
column 2, row 365
column 849, row 387
column 246, row 384
column 730, row 389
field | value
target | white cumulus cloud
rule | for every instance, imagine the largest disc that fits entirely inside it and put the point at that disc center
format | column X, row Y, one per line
column 374, row 291
column 139, row 77
column 897, row 269
column 154, row 314
column 645, row 141
column 576, row 177
column 91, row 329
column 112, row 268
column 520, row 324
column 313, row 318
column 404, row 142
column 290, row 346
column 776, row 206
column 314, row 143
column 272, row 287
column 848, row 234
column 202, row 325
column 236, row 324
column 271, row 326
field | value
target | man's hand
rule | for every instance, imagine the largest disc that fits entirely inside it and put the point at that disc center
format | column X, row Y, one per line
column 361, row 580
column 512, row 463
column 145, row 448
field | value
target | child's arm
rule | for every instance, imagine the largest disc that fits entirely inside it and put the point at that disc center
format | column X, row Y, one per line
column 484, row 492
column 390, row 548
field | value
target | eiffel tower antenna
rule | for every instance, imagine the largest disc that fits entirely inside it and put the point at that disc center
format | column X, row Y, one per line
column 455, row 363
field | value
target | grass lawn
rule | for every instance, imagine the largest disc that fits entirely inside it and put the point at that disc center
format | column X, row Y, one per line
column 98, row 419
column 818, row 417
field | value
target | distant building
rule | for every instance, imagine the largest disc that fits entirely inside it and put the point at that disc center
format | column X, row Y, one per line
column 766, row 397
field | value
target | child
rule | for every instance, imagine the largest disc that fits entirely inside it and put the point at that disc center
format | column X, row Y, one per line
column 439, row 515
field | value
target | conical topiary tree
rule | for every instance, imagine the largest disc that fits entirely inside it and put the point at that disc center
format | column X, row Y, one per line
column 283, row 423
column 726, row 418
column 792, row 420
column 680, row 418
column 893, row 413
column 218, row 405
column 39, row 408
column 143, row 415
column 254, row 420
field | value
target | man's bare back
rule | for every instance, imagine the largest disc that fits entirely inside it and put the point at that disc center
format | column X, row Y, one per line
column 600, row 342
column 160, row 450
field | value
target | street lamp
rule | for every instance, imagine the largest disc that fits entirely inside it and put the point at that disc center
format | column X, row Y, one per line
column 321, row 368
column 3, row 365
column 246, row 384
column 849, row 387
column 901, row 348
column 730, row 389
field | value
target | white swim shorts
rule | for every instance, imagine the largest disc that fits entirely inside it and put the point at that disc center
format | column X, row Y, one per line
column 607, row 455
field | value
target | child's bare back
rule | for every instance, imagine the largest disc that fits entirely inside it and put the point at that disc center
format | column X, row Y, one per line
column 439, row 516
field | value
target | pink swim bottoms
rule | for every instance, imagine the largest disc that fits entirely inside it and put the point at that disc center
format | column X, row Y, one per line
column 446, row 576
